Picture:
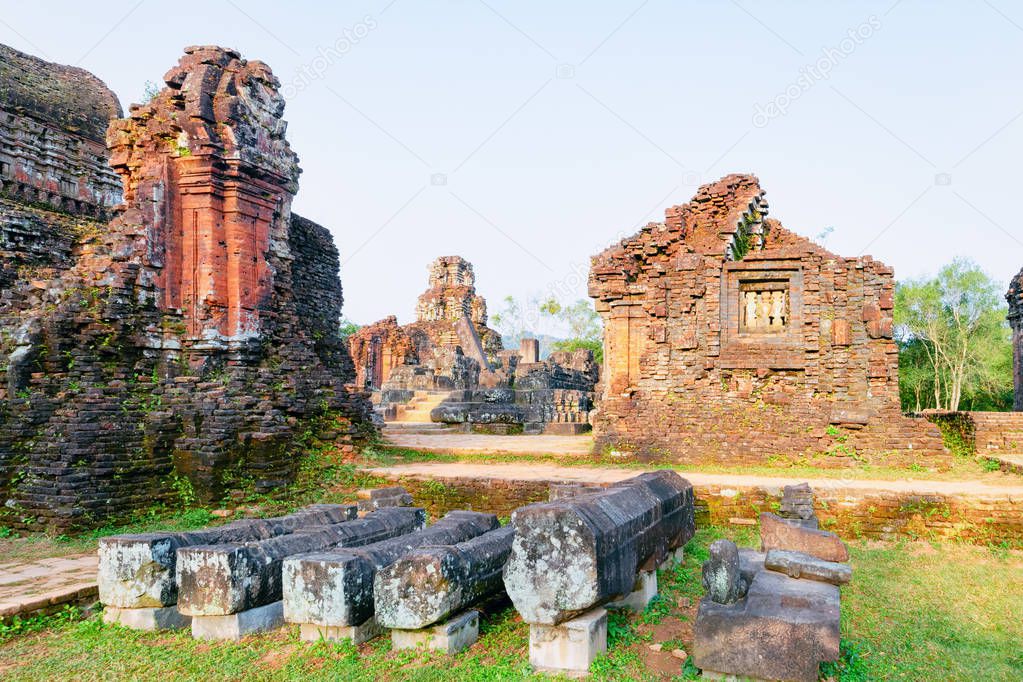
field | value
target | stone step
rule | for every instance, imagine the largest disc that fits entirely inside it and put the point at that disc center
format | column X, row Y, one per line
column 417, row 419
column 418, row 409
column 404, row 426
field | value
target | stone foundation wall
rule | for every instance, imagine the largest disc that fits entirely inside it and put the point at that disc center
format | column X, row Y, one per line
column 851, row 512
column 998, row 432
column 981, row 433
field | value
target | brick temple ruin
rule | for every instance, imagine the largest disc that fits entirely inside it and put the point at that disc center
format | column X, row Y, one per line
column 171, row 343
column 53, row 124
column 449, row 367
column 448, row 346
column 748, row 344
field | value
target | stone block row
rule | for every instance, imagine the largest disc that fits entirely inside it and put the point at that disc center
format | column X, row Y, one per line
column 338, row 576
column 139, row 571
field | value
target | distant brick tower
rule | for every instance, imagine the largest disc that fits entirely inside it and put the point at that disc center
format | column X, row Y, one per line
column 1015, row 299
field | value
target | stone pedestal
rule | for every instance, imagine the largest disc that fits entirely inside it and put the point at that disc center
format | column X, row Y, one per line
column 164, row 618
column 311, row 632
column 782, row 630
column 674, row 559
column 452, row 636
column 569, row 648
column 642, row 593
column 237, row 625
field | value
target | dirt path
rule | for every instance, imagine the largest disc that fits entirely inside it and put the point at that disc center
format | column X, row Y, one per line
column 30, row 586
column 480, row 444
column 533, row 471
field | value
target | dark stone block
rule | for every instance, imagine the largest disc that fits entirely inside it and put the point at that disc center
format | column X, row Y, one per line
column 336, row 588
column 799, row 565
column 224, row 579
column 573, row 554
column 431, row 583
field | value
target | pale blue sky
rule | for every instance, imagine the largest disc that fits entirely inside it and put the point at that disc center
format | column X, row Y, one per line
column 559, row 127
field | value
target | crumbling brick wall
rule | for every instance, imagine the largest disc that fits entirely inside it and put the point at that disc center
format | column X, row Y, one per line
column 1015, row 298
column 53, row 119
column 184, row 346
column 730, row 339
column 377, row 349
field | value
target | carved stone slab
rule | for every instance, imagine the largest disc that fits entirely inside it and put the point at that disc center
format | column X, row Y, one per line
column 336, row 588
column 431, row 583
column 218, row 580
column 576, row 553
column 778, row 533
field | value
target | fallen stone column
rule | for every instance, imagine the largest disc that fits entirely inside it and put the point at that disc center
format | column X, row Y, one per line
column 220, row 580
column 138, row 571
column 432, row 583
column 335, row 589
column 574, row 554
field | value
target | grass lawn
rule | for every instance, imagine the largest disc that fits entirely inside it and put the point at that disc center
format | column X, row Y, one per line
column 915, row 611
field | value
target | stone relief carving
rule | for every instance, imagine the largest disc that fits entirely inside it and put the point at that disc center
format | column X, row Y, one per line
column 763, row 311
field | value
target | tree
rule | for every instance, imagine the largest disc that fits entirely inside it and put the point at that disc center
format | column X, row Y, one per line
column 347, row 328
column 584, row 325
column 512, row 320
column 516, row 320
column 953, row 339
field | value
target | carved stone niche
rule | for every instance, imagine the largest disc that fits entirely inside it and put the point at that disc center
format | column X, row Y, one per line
column 761, row 314
column 764, row 307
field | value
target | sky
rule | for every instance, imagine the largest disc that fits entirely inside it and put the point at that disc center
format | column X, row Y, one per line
column 527, row 136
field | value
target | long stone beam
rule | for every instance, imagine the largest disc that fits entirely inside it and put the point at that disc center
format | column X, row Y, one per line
column 138, row 571
column 432, row 583
column 219, row 580
column 335, row 589
column 573, row 554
